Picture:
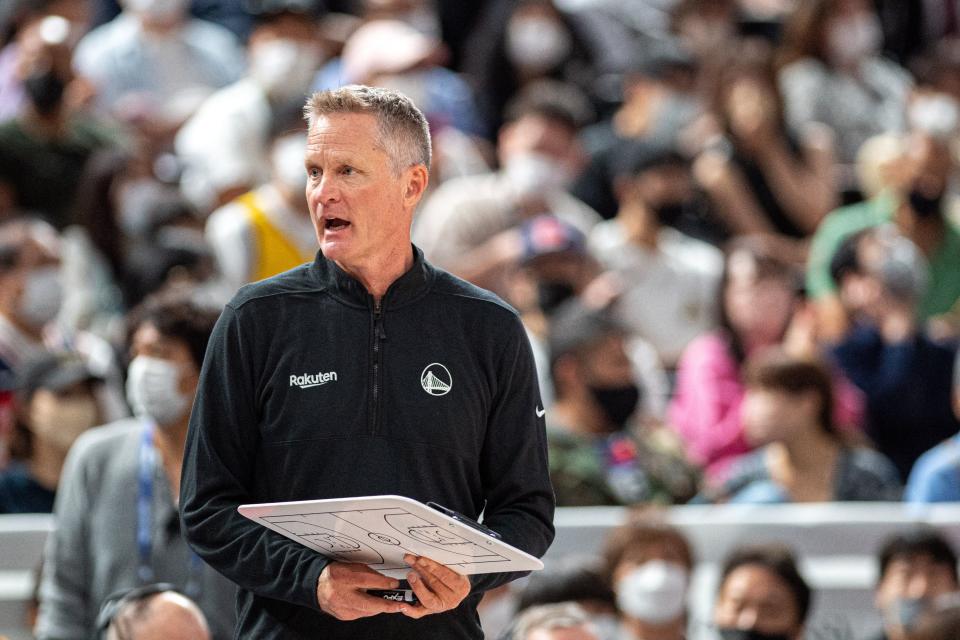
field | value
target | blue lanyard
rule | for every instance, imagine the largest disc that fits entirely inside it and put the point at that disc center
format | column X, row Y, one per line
column 147, row 468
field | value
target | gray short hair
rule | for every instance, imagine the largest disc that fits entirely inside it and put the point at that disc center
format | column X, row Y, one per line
column 562, row 615
column 402, row 127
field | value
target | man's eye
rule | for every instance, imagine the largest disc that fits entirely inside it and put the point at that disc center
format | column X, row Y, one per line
column 313, row 172
column 348, row 171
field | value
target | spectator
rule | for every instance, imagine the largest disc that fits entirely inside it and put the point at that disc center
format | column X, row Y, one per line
column 460, row 225
column 598, row 454
column 917, row 568
column 49, row 135
column 647, row 254
column 917, row 201
column 904, row 375
column 831, row 56
column 152, row 612
column 788, row 411
column 649, row 567
column 761, row 595
column 55, row 404
column 153, row 64
column 758, row 299
column 267, row 230
column 563, row 621
column 117, row 521
column 935, row 476
column 225, row 145
column 761, row 178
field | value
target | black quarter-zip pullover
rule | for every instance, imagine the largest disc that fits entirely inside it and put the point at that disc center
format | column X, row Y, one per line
column 311, row 390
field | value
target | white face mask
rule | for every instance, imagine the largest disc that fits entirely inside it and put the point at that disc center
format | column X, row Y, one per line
column 537, row 43
column 42, row 296
column 165, row 10
column 284, row 68
column 153, row 390
column 655, row 592
column 534, row 173
column 937, row 114
column 855, row 38
column 287, row 159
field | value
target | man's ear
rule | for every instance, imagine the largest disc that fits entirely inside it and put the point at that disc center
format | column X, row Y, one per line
column 415, row 185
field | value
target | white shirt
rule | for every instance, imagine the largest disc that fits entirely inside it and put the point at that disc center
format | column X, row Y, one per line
column 231, row 235
column 671, row 291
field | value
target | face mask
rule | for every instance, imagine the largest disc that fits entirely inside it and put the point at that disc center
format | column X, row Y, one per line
column 45, row 91
column 669, row 213
column 166, row 10
column 287, row 159
column 750, row 634
column 853, row 39
column 62, row 420
column 283, row 68
column 550, row 295
column 539, row 44
column 906, row 612
column 655, row 592
column 617, row 403
column 937, row 115
column 41, row 297
column 153, row 390
column 925, row 206
column 534, row 173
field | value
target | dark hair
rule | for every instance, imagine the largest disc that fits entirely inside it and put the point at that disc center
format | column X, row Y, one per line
column 776, row 370
column 779, row 560
column 178, row 313
column 94, row 208
column 575, row 328
column 551, row 99
column 571, row 579
column 634, row 159
column 749, row 61
column 922, row 541
column 624, row 543
column 804, row 32
column 768, row 265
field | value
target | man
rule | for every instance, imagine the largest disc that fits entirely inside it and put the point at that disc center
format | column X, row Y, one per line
column 935, row 476
column 461, row 225
column 761, row 595
column 225, row 145
column 600, row 454
column 917, row 569
column 117, row 524
column 384, row 326
column 563, row 621
column 267, row 230
column 153, row 612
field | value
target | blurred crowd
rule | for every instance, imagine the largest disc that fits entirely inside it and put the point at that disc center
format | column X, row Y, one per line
column 731, row 228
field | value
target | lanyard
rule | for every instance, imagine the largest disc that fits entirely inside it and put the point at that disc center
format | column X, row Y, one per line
column 145, row 476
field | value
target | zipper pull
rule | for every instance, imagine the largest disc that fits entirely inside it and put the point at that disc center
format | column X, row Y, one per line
column 378, row 320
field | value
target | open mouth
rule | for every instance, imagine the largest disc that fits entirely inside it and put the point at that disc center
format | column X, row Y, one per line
column 335, row 224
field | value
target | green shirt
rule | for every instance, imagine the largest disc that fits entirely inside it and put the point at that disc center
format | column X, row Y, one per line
column 944, row 287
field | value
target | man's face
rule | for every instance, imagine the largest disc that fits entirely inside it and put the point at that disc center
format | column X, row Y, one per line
column 546, row 137
column 754, row 598
column 361, row 210
column 914, row 576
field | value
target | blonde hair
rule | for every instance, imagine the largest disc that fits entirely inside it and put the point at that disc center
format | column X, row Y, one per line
column 401, row 127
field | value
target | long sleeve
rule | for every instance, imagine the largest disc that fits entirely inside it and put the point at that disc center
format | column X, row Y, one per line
column 66, row 610
column 514, row 470
column 218, row 469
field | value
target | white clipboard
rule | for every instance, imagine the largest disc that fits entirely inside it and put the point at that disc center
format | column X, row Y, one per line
column 379, row 530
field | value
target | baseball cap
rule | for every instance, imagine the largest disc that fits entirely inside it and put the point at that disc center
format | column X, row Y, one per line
column 548, row 234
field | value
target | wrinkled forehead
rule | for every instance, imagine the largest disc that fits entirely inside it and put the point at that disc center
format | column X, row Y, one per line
column 344, row 133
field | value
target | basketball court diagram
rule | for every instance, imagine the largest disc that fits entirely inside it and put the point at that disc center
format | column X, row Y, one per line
column 377, row 536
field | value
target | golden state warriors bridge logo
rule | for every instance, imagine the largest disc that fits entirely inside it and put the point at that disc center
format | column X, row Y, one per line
column 436, row 379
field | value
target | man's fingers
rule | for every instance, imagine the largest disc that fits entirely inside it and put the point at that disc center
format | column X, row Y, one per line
column 357, row 604
column 362, row 577
column 428, row 598
column 441, row 579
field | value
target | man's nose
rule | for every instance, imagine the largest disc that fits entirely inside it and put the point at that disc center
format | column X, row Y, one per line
column 919, row 586
column 326, row 191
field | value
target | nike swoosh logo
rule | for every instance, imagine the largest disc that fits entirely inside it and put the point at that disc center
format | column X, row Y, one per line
column 541, row 412
column 308, row 386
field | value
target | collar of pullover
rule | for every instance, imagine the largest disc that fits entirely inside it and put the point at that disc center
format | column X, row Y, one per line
column 406, row 289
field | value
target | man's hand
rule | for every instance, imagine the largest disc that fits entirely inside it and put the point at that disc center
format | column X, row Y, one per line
column 341, row 592
column 438, row 588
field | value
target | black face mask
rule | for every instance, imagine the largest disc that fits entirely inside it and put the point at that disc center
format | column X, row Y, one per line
column 45, row 90
column 617, row 403
column 749, row 634
column 669, row 213
column 550, row 295
column 923, row 205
